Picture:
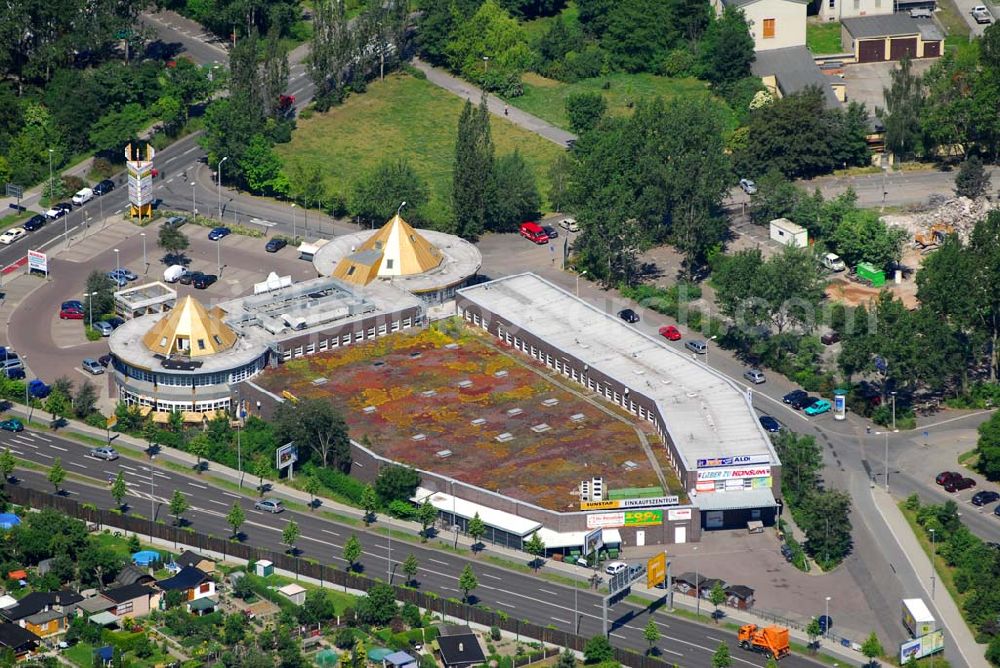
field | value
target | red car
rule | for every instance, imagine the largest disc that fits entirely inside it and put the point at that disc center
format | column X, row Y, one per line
column 670, row 333
column 945, row 477
column 959, row 484
column 70, row 314
column 534, row 232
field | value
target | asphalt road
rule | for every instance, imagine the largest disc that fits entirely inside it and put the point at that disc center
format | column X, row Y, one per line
column 683, row 642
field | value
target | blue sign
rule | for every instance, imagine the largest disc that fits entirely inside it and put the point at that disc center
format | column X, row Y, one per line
column 880, row 364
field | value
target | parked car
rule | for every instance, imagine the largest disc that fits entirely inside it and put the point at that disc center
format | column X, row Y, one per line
column 204, row 280
column 794, row 396
column 270, row 505
column 786, row 552
column 175, row 221
column 945, row 477
column 104, row 187
column 550, row 231
column 54, row 213
column 981, row 14
column 804, row 403
column 984, row 498
column 755, row 376
column 959, row 484
column 82, row 196
column 274, row 245
column 117, row 278
column 818, row 407
column 35, row 223
column 38, row 389
column 103, row 328
column 115, row 322
column 825, row 623
column 615, row 567
column 71, row 314
column 188, row 278
column 174, row 273
column 670, row 333
column 14, row 372
column 569, row 224
column 127, row 274
column 13, row 424
column 107, row 453
column 628, row 315
column 829, row 338
column 104, row 360
column 697, row 346
column 73, row 304
column 218, row 233
column 769, row 424
column 533, row 232
column 748, row 186
column 12, row 235
column 92, row 366
column 64, row 206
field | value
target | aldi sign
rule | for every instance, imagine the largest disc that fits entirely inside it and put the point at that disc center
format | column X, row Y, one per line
column 739, row 460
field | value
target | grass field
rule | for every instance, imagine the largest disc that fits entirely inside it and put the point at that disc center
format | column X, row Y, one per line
column 546, row 98
column 956, row 29
column 402, row 117
column 823, row 38
column 535, row 29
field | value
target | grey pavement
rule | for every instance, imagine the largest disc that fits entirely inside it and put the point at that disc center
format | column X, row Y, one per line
column 189, row 37
column 497, row 107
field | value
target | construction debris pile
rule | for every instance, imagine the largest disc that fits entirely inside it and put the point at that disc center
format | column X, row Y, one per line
column 942, row 217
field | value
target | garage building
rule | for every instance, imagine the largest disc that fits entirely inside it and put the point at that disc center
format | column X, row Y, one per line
column 874, row 39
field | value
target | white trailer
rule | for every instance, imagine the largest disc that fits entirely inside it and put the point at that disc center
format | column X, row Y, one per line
column 917, row 618
column 788, row 233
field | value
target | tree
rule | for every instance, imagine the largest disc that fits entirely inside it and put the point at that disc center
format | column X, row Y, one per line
column 262, row 168
column 988, row 447
column 319, row 606
column 559, row 180
column 814, row 631
column 435, row 26
column 717, row 596
column 825, row 520
column 85, row 401
column 536, row 548
column 261, row 467
column 115, row 129
column 585, row 111
column 396, row 483
column 490, row 30
column 100, row 293
column 566, row 659
column 872, row 648
column 290, row 536
column 119, row 490
column 58, row 405
column 318, row 426
column 517, row 197
column 57, row 474
column 651, row 634
column 312, row 487
column 199, row 446
column 801, row 461
column 972, row 180
column 776, row 197
column 331, row 52
column 473, row 185
column 178, row 506
column 235, row 518
column 467, row 582
column 476, row 528
column 598, row 650
column 903, row 112
column 7, row 465
column 378, row 605
column 378, row 194
column 273, row 74
column 369, row 503
column 171, row 240
column 410, row 568
column 352, row 550
column 426, row 514
column 721, row 657
column 727, row 50
column 863, row 237
column 97, row 565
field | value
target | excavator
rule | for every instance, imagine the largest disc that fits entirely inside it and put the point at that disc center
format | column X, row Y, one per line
column 933, row 237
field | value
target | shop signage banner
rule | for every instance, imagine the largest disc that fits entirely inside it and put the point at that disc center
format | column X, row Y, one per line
column 616, row 504
column 741, row 460
column 643, row 518
column 741, row 472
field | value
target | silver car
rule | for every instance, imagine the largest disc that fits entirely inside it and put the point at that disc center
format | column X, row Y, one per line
column 269, row 505
column 106, row 453
column 755, row 376
column 104, row 328
column 92, row 366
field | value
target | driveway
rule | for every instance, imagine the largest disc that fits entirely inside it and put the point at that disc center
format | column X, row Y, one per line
column 866, row 81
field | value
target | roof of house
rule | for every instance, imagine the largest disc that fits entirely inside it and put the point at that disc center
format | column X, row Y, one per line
column 203, row 603
column 45, row 616
column 186, row 578
column 690, row 578
column 104, row 618
column 36, row 601
column 744, row 3
column 131, row 574
column 18, row 574
column 400, row 659
column 190, row 558
column 795, row 70
column 13, row 636
column 460, row 649
column 885, row 25
column 740, row 591
column 396, row 249
column 191, row 328
column 95, row 604
column 292, row 589
column 128, row 592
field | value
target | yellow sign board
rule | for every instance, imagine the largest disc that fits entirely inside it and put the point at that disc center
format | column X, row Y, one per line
column 643, row 518
column 656, row 570
column 112, row 421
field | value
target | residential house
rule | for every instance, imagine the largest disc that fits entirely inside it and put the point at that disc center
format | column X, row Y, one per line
column 93, row 605
column 191, row 582
column 20, row 641
column 192, row 558
column 837, row 10
column 774, row 24
column 134, row 600
column 132, row 574
column 792, row 70
column 399, row 660
column 460, row 650
column 44, row 613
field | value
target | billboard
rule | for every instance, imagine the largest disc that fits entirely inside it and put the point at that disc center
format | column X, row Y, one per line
column 920, row 647
column 616, row 504
column 38, row 261
column 739, row 460
column 286, row 455
column 643, row 518
column 732, row 473
column 605, row 520
column 656, row 570
column 679, row 514
column 593, row 542
column 140, row 176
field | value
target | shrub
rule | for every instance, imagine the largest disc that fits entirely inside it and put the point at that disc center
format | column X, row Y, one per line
column 102, row 167
column 72, row 183
column 344, row 638
column 341, row 484
column 679, row 63
column 401, row 510
column 495, row 633
column 92, row 334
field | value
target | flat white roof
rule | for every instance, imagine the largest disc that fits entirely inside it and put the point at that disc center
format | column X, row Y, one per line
column 520, row 526
column 706, row 414
column 918, row 609
column 735, row 499
column 554, row 539
column 291, row 589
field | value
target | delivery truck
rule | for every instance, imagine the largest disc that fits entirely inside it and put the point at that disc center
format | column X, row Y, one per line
column 917, row 618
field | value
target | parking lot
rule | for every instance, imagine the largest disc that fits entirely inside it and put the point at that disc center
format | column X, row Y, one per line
column 866, row 81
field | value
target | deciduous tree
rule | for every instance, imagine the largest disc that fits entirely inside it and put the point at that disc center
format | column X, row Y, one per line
column 119, row 489
column 369, row 503
column 235, row 518
column 473, row 183
column 352, row 551
column 57, row 474
column 426, row 514
column 467, row 582
column 318, row 426
column 517, row 197
column 378, row 194
column 972, row 180
column 410, row 568
column 178, row 506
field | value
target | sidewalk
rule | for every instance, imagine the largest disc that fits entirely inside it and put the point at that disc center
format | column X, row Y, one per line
column 958, row 634
column 497, row 107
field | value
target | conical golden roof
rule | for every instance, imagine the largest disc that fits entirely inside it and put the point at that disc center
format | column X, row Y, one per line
column 189, row 329
column 396, row 249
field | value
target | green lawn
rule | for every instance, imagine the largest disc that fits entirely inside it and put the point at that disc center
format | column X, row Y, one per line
column 823, row 38
column 535, row 29
column 402, row 117
column 546, row 98
column 956, row 29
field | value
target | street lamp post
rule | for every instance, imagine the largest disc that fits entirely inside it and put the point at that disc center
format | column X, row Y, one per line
column 239, row 444
column 578, row 282
column 826, row 622
column 51, row 191
column 712, row 338
column 218, row 180
column 894, row 410
column 697, row 585
column 885, row 434
column 90, row 304
column 144, row 263
column 27, row 404
column 294, row 237
column 218, row 254
column 933, row 569
column 486, row 59
column 400, row 207
column 194, row 205
column 118, row 264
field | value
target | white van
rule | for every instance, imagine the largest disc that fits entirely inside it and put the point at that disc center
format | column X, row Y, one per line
column 83, row 196
column 174, row 272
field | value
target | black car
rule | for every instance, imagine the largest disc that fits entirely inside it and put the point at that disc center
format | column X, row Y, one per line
column 14, row 372
column 550, row 231
column 804, row 403
column 104, row 187
column 189, row 277
column 274, row 245
column 770, row 424
column 984, row 498
column 115, row 322
column 996, row 511
column 63, row 206
column 34, row 223
column 628, row 315
column 794, row 395
column 786, row 552
column 825, row 623
column 104, row 360
column 204, row 280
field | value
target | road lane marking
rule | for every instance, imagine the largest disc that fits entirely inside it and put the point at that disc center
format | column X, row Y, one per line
column 545, row 591
column 78, row 464
column 490, row 575
column 218, row 502
column 162, row 475
column 44, row 438
column 437, row 561
column 42, row 454
column 505, row 605
column 235, row 496
column 56, row 447
column 618, row 635
column 194, row 484
column 561, row 621
column 127, row 468
column 332, row 533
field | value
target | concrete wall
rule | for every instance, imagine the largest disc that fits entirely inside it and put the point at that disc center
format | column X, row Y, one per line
column 789, row 23
column 846, row 9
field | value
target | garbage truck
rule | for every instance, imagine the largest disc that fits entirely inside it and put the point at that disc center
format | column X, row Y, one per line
column 771, row 641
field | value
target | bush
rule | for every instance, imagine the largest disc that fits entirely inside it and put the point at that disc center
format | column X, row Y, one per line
column 102, row 167
column 401, row 510
column 344, row 638
column 495, row 633
column 72, row 183
column 341, row 484
column 679, row 63
column 92, row 334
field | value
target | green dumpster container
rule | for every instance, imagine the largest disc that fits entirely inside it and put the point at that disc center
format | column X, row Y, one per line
column 869, row 273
